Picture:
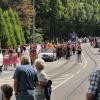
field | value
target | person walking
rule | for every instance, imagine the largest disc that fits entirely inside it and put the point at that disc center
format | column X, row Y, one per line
column 94, row 87
column 25, row 79
column 6, row 92
column 79, row 51
column 33, row 55
column 42, row 79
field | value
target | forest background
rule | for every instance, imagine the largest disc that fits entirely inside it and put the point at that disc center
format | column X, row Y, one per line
column 54, row 20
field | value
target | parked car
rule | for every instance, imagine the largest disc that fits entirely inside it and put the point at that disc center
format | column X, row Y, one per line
column 48, row 54
column 1, row 60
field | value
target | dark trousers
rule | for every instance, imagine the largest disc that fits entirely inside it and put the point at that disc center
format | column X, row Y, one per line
column 48, row 98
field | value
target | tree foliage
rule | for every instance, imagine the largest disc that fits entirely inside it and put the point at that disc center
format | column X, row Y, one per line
column 4, row 32
column 65, row 16
column 11, row 33
column 26, row 12
column 10, row 28
column 56, row 18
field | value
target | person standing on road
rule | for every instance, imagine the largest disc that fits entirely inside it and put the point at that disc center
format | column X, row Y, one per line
column 19, row 51
column 59, row 51
column 68, row 50
column 25, row 79
column 94, row 87
column 33, row 55
column 10, row 51
column 42, row 79
column 79, row 52
column 6, row 60
column 6, row 92
column 15, row 59
column 73, row 49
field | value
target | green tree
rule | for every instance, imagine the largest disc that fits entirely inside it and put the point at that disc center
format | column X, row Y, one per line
column 19, row 27
column 55, row 18
column 15, row 26
column 10, row 29
column 26, row 12
column 42, row 16
column 4, row 32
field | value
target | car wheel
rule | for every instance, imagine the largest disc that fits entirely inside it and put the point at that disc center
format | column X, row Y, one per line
column 55, row 59
column 52, row 59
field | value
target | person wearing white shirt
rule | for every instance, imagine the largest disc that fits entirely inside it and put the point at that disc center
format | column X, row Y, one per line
column 42, row 79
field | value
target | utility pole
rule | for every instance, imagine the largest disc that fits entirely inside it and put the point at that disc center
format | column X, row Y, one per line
column 33, row 23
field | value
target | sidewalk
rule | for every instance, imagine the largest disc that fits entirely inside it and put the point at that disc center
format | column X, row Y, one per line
column 8, row 71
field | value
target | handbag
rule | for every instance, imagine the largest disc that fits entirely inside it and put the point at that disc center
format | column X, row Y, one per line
column 48, row 90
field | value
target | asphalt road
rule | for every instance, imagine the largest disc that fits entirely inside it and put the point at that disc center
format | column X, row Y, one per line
column 70, row 79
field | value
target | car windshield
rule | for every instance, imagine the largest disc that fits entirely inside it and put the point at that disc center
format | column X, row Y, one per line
column 48, row 50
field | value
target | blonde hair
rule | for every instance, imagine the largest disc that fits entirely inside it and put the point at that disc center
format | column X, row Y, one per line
column 41, row 62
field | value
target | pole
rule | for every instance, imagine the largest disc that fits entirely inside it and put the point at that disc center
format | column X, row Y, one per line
column 33, row 23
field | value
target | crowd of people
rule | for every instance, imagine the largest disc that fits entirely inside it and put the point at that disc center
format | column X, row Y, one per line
column 10, row 58
column 30, row 80
column 94, row 41
column 66, row 49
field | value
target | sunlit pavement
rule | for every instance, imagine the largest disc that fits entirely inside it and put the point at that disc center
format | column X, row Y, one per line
column 70, row 79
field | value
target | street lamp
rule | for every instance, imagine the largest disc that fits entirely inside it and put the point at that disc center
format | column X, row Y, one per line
column 33, row 22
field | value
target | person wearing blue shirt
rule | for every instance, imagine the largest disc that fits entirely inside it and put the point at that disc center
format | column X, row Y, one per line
column 25, row 79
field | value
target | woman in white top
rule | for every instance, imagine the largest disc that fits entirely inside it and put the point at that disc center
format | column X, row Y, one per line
column 42, row 79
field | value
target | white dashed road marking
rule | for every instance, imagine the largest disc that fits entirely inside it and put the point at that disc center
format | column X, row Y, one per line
column 83, row 66
column 78, row 71
column 62, row 82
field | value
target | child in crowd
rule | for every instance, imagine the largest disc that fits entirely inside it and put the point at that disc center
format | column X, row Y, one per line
column 10, row 50
column 15, row 59
column 6, row 92
column 6, row 60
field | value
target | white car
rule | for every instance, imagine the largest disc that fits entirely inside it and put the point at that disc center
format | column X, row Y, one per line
column 48, row 54
column 1, row 60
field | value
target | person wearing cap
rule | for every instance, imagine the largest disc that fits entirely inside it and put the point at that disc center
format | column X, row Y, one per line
column 6, row 92
column 25, row 79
